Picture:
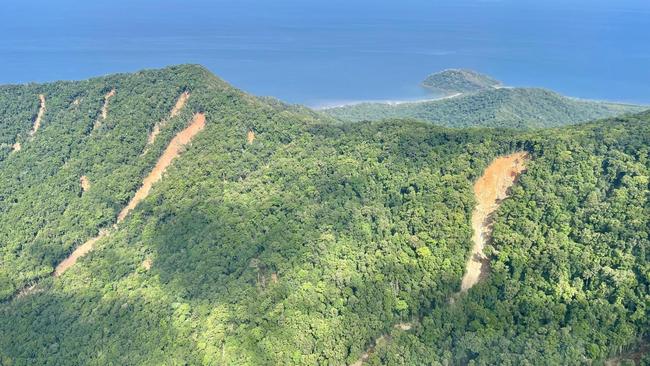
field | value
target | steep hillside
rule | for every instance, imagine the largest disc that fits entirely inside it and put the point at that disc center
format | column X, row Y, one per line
column 453, row 81
column 278, row 237
column 45, row 212
column 510, row 108
column 569, row 262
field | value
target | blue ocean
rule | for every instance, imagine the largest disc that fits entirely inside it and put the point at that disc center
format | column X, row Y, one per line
column 330, row 52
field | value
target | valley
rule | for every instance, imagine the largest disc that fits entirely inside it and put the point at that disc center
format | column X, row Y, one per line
column 324, row 183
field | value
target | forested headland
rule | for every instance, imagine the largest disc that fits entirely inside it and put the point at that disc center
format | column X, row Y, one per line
column 453, row 81
column 519, row 108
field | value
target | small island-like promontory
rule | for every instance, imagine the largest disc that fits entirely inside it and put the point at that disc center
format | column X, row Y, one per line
column 452, row 81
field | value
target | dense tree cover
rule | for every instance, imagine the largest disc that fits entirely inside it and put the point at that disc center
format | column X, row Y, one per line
column 519, row 108
column 43, row 212
column 459, row 81
column 306, row 245
column 18, row 109
column 570, row 270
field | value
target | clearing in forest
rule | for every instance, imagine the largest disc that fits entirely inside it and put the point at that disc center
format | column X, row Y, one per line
column 85, row 183
column 78, row 253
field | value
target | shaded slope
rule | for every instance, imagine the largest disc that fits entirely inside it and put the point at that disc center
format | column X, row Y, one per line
column 512, row 108
column 489, row 190
column 172, row 151
column 43, row 213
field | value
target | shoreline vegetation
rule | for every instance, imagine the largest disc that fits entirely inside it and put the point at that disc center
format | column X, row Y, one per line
column 334, row 105
column 392, row 102
column 449, row 84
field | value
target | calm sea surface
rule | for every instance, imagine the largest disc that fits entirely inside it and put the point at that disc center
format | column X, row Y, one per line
column 329, row 52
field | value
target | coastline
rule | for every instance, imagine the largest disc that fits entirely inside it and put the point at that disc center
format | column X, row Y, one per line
column 325, row 106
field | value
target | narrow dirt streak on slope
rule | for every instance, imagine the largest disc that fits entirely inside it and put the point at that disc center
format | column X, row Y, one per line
column 39, row 116
column 250, row 136
column 180, row 103
column 490, row 190
column 78, row 253
column 104, row 113
column 16, row 146
column 173, row 150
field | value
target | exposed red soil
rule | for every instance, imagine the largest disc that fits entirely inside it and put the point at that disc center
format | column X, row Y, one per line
column 489, row 191
column 79, row 252
column 173, row 150
column 146, row 264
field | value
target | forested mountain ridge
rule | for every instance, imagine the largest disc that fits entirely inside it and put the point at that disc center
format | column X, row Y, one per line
column 520, row 108
column 304, row 243
column 45, row 212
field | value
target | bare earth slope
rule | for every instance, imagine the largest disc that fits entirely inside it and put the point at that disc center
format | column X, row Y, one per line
column 173, row 150
column 490, row 190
